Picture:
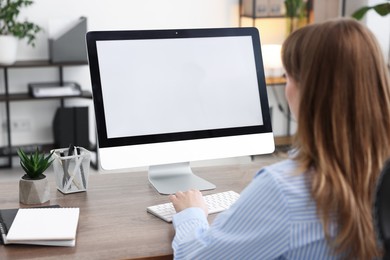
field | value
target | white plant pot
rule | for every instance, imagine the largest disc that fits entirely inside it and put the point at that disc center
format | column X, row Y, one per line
column 8, row 49
column 34, row 191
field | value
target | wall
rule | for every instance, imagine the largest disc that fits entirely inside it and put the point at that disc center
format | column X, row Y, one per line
column 130, row 14
column 125, row 14
column 380, row 26
column 102, row 15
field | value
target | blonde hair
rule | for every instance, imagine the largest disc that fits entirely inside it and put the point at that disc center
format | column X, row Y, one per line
column 343, row 130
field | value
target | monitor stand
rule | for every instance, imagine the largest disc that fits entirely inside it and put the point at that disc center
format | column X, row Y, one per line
column 170, row 178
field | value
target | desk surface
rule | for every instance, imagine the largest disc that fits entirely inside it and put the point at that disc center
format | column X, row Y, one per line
column 113, row 221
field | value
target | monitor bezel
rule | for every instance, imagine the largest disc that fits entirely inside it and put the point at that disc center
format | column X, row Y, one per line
column 93, row 37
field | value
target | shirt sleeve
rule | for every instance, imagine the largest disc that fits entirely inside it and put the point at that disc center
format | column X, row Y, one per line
column 255, row 227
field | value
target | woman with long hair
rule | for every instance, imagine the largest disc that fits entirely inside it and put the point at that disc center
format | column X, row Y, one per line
column 318, row 203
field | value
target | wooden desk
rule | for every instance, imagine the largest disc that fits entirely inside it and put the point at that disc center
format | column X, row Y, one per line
column 113, row 220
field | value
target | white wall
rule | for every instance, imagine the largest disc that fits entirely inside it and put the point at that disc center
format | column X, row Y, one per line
column 103, row 15
column 130, row 14
column 125, row 14
column 380, row 26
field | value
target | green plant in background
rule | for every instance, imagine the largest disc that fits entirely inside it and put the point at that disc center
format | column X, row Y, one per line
column 382, row 9
column 9, row 24
column 296, row 12
column 35, row 164
column 296, row 8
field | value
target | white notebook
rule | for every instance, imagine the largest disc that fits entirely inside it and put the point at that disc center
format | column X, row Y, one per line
column 44, row 226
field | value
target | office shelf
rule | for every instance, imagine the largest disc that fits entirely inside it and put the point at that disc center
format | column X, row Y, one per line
column 263, row 17
column 26, row 96
column 252, row 13
column 248, row 9
column 41, row 63
column 29, row 148
column 9, row 150
column 287, row 139
column 275, row 81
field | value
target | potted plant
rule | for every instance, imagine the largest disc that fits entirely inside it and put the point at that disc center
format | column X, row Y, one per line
column 296, row 13
column 33, row 186
column 382, row 9
column 11, row 30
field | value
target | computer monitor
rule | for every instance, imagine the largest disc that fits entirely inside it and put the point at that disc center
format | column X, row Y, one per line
column 164, row 98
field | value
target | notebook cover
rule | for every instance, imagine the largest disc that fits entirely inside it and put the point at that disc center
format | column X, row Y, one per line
column 7, row 216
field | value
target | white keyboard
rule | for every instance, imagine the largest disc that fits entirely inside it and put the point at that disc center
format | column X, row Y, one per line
column 216, row 202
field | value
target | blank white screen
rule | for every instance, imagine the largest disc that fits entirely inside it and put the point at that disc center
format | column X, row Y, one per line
column 177, row 85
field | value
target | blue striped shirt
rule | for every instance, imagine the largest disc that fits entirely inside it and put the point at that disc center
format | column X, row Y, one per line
column 274, row 218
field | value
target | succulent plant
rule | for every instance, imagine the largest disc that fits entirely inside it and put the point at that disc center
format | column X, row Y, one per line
column 34, row 164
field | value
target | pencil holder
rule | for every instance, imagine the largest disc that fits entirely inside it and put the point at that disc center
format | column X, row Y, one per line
column 71, row 169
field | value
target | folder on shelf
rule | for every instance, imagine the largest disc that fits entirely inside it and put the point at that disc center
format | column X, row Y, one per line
column 54, row 89
column 71, row 126
column 51, row 226
column 68, row 43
